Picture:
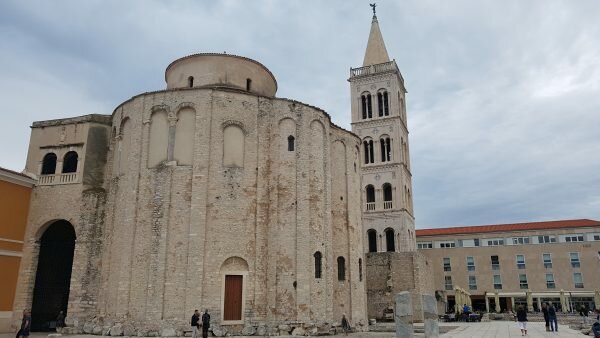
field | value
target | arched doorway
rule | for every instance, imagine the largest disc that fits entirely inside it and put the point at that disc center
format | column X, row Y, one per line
column 53, row 276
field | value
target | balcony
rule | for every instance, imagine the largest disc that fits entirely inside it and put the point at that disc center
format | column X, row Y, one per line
column 370, row 206
column 374, row 69
column 67, row 178
column 387, row 204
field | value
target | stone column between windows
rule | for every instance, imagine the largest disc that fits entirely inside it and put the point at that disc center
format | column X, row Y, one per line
column 171, row 141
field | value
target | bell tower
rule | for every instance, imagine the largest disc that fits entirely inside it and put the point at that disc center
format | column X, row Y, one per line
column 379, row 118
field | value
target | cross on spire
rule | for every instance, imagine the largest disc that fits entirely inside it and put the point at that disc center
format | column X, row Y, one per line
column 373, row 5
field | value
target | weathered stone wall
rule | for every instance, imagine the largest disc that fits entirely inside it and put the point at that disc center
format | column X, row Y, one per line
column 392, row 272
column 171, row 228
column 82, row 203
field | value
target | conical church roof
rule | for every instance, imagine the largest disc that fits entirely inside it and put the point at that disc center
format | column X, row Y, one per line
column 376, row 52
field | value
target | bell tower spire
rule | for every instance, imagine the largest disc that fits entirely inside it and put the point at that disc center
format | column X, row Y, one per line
column 376, row 52
column 379, row 118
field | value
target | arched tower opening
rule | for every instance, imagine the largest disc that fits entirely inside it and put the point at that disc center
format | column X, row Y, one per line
column 53, row 276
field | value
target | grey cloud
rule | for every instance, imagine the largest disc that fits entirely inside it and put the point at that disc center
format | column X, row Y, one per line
column 502, row 103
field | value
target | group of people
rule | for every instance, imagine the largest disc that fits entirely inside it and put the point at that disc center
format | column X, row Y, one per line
column 200, row 322
column 549, row 312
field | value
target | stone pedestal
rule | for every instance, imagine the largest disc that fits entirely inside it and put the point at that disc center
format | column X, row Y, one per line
column 430, row 317
column 403, row 315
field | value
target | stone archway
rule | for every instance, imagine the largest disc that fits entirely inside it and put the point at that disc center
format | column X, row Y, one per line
column 53, row 276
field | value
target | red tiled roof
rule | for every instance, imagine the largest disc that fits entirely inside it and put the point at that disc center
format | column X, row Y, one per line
column 572, row 223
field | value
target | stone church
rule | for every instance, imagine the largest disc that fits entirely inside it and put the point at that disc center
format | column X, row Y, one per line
column 215, row 194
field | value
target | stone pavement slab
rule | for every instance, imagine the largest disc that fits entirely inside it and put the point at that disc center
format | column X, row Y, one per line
column 507, row 329
column 496, row 329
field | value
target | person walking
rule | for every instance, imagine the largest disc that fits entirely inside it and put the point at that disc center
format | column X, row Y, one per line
column 345, row 324
column 552, row 318
column 583, row 312
column 60, row 321
column 22, row 324
column 546, row 318
column 26, row 324
column 195, row 323
column 205, row 323
column 522, row 319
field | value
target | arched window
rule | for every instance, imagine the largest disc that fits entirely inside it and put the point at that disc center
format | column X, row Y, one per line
column 386, row 149
column 70, row 162
column 360, row 269
column 390, row 243
column 387, row 196
column 372, row 239
column 370, row 191
column 49, row 164
column 341, row 262
column 291, row 143
column 318, row 264
column 380, row 104
column 369, row 154
column 190, row 81
column 363, row 106
column 369, row 107
column 248, row 84
column 386, row 104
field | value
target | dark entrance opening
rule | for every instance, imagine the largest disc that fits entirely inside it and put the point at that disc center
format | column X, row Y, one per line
column 53, row 277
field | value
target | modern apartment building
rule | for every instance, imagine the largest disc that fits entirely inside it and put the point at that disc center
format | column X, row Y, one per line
column 502, row 266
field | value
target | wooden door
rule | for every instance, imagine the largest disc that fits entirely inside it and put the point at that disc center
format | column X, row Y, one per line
column 233, row 297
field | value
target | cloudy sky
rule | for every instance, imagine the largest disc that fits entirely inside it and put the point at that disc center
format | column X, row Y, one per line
column 503, row 96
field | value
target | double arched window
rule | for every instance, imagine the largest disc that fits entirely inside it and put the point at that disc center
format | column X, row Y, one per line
column 388, row 196
column 366, row 106
column 49, row 164
column 383, row 103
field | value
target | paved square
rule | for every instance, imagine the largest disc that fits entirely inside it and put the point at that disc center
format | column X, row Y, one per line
column 507, row 329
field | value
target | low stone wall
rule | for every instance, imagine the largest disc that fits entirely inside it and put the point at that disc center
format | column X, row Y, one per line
column 106, row 327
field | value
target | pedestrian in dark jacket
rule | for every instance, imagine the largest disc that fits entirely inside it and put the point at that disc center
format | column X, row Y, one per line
column 26, row 324
column 596, row 329
column 345, row 324
column 20, row 332
column 552, row 318
column 546, row 319
column 205, row 323
column 195, row 323
column 522, row 319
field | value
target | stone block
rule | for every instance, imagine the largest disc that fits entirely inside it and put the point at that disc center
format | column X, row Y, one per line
column 168, row 332
column 404, row 315
column 430, row 316
column 116, row 330
column 248, row 331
